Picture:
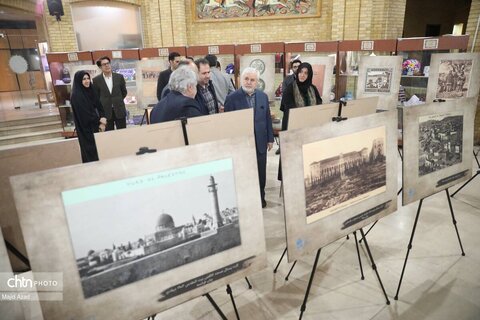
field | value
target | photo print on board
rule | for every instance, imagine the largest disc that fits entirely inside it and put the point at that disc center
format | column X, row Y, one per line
column 440, row 141
column 378, row 80
column 453, row 78
column 342, row 171
column 113, row 249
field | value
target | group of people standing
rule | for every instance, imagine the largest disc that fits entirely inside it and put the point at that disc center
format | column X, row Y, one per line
column 188, row 88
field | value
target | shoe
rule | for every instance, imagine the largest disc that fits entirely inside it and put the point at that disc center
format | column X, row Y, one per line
column 264, row 203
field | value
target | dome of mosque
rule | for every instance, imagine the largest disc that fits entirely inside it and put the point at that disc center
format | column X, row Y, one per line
column 165, row 221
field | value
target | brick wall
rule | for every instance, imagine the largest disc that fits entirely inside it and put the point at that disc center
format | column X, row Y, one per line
column 471, row 26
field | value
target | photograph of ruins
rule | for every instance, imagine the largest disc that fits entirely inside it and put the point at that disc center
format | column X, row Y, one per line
column 453, row 78
column 440, row 141
column 342, row 171
column 128, row 230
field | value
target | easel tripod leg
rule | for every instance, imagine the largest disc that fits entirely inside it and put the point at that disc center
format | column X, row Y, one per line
column 229, row 291
column 374, row 267
column 215, row 305
column 281, row 258
column 304, row 304
column 358, row 253
column 290, row 271
column 248, row 283
column 454, row 221
column 409, row 247
column 371, row 227
column 467, row 182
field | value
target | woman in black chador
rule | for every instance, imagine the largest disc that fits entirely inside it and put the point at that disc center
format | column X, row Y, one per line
column 88, row 114
column 298, row 94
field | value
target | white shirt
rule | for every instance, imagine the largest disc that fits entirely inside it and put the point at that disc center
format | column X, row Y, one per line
column 109, row 82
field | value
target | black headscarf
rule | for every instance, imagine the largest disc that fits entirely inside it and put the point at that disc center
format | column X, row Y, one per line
column 303, row 86
column 85, row 96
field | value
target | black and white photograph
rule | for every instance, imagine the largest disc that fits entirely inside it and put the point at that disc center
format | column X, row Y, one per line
column 440, row 142
column 342, row 171
column 453, row 78
column 378, row 80
column 128, row 230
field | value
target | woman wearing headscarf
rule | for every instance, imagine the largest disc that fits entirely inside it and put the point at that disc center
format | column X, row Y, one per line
column 88, row 115
column 298, row 94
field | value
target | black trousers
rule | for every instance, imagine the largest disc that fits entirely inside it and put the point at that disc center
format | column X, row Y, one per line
column 262, row 172
column 120, row 123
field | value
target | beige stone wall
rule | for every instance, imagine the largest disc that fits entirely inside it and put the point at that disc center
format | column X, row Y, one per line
column 471, row 26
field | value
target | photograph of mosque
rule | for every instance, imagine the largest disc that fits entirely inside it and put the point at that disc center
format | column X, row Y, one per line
column 440, row 141
column 341, row 171
column 128, row 230
column 453, row 78
column 378, row 80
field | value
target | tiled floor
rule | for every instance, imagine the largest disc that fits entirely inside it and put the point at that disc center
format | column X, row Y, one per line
column 438, row 284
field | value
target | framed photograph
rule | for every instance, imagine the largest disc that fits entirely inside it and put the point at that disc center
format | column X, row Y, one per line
column 140, row 234
column 167, row 135
column 322, row 75
column 318, row 115
column 438, row 146
column 265, row 64
column 344, row 179
column 217, row 10
column 147, row 72
column 380, row 76
column 18, row 160
column 453, row 76
column 92, row 70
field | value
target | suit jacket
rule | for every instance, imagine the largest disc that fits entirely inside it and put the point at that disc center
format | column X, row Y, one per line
column 112, row 100
column 174, row 106
column 201, row 100
column 237, row 100
column 223, row 86
column 162, row 82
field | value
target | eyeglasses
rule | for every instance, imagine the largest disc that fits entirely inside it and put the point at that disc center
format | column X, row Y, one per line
column 105, row 64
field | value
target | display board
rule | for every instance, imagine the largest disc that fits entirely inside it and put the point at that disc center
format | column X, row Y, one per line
column 167, row 135
column 157, row 231
column 8, row 309
column 28, row 159
column 337, row 178
column 380, row 76
column 147, row 72
column 159, row 136
column 318, row 115
column 438, row 146
column 265, row 64
column 322, row 74
column 453, row 76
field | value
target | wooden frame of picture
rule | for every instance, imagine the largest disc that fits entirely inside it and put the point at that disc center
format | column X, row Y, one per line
column 337, row 178
column 55, row 199
column 437, row 146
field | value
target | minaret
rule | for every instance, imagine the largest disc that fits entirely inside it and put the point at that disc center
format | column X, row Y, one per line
column 217, row 218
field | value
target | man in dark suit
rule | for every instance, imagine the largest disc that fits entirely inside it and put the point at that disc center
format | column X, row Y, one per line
column 179, row 102
column 206, row 96
column 248, row 97
column 164, row 76
column 111, row 89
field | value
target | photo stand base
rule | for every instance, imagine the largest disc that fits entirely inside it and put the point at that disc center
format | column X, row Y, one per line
column 409, row 247
column 312, row 274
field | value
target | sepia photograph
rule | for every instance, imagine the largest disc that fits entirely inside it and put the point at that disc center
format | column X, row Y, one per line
column 318, row 76
column 127, row 230
column 453, row 78
column 378, row 80
column 342, row 171
column 440, row 141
